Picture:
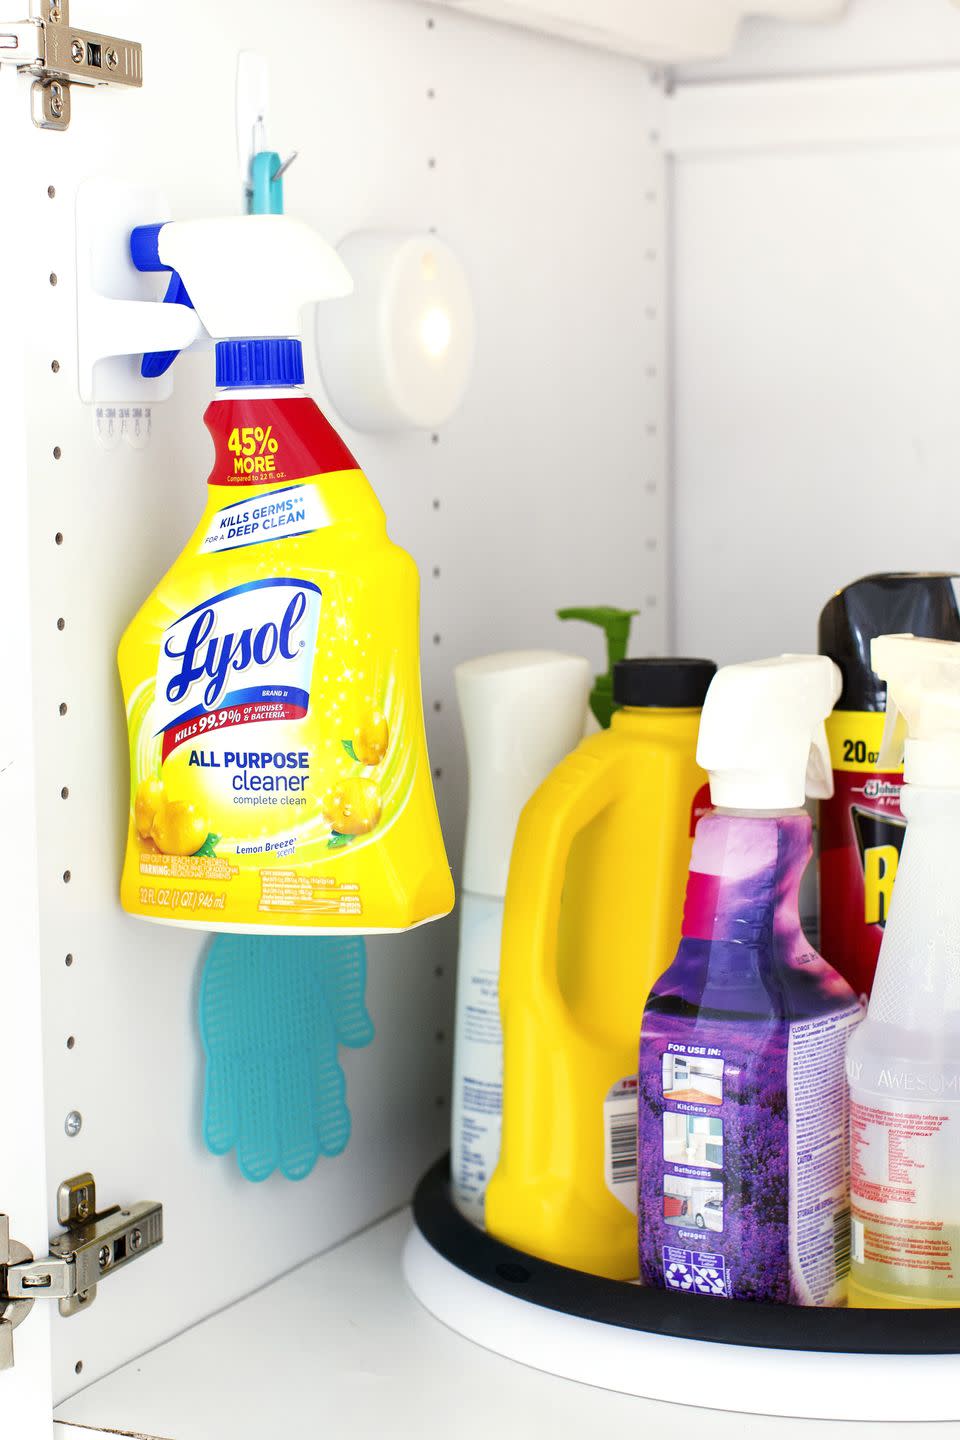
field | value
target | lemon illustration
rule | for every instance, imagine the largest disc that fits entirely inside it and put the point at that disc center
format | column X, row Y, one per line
column 371, row 737
column 177, row 829
column 354, row 807
column 149, row 797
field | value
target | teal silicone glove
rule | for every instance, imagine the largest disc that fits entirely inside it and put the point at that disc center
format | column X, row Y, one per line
column 273, row 1010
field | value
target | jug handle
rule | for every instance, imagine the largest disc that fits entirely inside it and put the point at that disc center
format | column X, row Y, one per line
column 575, row 793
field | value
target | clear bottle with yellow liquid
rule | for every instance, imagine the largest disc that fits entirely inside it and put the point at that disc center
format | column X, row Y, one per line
column 279, row 777
column 592, row 917
column 903, row 1062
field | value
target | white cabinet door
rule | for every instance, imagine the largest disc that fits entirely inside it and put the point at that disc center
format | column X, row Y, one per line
column 25, row 1390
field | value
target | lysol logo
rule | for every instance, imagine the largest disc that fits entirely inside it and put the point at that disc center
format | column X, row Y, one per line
column 247, row 647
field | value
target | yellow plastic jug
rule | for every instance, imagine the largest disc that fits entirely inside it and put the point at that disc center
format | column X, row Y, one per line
column 593, row 909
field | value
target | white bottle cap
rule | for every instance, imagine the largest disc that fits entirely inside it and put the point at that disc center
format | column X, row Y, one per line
column 762, row 733
column 522, row 712
column 923, row 707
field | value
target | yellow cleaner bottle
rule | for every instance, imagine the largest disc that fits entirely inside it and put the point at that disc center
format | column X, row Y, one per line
column 279, row 777
column 903, row 1064
column 592, row 917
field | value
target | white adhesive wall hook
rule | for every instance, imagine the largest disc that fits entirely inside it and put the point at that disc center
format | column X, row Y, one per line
column 261, row 169
column 119, row 316
column 253, row 105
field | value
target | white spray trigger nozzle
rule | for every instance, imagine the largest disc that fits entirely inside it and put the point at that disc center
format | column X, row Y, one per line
column 922, row 723
column 763, row 739
column 247, row 276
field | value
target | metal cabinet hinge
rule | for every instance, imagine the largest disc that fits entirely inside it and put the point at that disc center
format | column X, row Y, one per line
column 94, row 1244
column 60, row 56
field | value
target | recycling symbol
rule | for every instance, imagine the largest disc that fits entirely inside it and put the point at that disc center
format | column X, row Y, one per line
column 709, row 1280
column 678, row 1276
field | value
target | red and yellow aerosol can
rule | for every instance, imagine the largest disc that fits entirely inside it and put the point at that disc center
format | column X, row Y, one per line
column 861, row 827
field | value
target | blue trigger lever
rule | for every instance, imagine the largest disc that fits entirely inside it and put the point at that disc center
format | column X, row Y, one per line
column 145, row 254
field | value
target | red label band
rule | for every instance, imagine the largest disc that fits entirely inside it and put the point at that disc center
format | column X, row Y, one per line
column 254, row 712
column 700, row 905
column 268, row 442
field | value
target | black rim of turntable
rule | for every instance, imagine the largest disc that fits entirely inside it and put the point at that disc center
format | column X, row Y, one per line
column 660, row 1312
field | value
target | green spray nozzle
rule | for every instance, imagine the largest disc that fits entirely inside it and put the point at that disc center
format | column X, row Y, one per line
column 616, row 626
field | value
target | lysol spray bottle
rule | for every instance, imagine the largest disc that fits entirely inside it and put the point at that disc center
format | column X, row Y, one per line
column 279, row 775
column 861, row 827
column 903, row 1064
column 743, row 1159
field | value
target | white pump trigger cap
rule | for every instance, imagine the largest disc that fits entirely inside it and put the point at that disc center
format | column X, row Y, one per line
column 762, row 734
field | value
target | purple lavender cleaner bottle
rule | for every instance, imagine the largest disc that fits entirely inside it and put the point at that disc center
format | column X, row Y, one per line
column 742, row 1122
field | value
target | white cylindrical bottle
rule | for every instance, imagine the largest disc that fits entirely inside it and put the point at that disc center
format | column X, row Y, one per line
column 903, row 1063
column 522, row 712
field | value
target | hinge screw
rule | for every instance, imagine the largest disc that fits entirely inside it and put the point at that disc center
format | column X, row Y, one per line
column 56, row 99
column 77, row 51
column 72, row 1123
column 54, row 12
column 104, row 1256
column 112, row 58
column 136, row 1239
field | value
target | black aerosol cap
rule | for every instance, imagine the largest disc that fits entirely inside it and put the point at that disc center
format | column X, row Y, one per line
column 901, row 603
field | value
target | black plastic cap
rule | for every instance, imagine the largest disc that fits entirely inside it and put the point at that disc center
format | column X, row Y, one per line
column 895, row 604
column 671, row 683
